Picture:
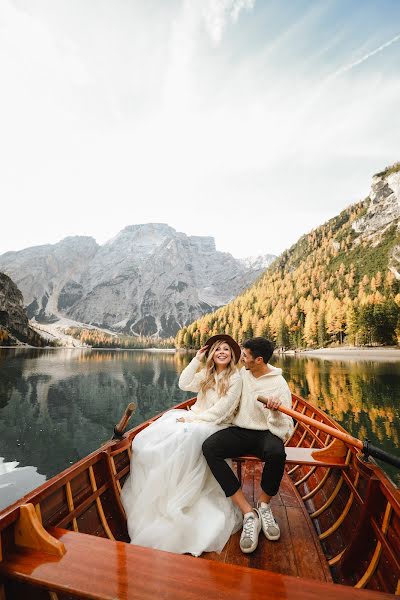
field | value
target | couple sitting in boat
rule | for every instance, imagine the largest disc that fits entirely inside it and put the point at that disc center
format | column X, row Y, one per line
column 182, row 495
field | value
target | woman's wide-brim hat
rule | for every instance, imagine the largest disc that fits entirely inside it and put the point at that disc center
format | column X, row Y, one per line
column 223, row 337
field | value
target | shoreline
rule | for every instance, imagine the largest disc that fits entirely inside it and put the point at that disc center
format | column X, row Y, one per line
column 28, row 347
column 345, row 352
column 350, row 352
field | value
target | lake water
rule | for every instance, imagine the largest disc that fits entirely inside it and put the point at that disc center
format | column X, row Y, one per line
column 58, row 405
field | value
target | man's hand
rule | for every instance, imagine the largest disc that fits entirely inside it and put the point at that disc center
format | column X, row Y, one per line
column 271, row 402
column 181, row 420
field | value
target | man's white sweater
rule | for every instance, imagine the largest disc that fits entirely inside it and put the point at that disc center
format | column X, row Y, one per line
column 252, row 414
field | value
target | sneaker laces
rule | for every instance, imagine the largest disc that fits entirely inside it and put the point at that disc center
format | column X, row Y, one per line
column 248, row 527
column 267, row 516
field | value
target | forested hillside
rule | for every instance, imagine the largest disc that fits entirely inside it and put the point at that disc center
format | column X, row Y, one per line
column 101, row 339
column 338, row 284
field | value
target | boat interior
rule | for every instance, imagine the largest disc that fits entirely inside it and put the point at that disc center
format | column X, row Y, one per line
column 339, row 517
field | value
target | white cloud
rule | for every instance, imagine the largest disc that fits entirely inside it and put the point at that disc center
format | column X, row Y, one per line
column 218, row 13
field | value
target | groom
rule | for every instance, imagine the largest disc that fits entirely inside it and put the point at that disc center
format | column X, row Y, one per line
column 257, row 429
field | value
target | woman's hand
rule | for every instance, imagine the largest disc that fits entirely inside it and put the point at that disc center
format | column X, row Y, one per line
column 181, row 420
column 201, row 353
column 271, row 402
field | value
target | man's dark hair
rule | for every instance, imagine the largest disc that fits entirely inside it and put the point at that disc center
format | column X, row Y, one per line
column 260, row 346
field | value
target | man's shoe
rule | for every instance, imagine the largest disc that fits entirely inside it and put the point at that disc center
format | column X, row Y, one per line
column 250, row 532
column 269, row 526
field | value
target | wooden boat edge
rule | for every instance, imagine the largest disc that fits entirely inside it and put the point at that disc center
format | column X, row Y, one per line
column 10, row 514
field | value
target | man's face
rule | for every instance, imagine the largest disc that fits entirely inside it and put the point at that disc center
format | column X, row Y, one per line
column 248, row 360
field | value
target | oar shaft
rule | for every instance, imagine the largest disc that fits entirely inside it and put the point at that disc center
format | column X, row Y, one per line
column 340, row 435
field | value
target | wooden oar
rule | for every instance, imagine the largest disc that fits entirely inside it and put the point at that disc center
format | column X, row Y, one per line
column 121, row 426
column 367, row 448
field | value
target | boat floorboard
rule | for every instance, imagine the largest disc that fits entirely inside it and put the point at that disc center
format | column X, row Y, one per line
column 298, row 551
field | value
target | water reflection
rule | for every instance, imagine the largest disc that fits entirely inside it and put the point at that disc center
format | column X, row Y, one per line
column 59, row 405
column 16, row 482
column 56, row 406
column 362, row 396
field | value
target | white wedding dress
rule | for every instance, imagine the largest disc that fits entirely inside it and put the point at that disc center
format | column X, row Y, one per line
column 171, row 499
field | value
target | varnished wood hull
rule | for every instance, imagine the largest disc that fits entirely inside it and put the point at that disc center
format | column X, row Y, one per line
column 349, row 515
column 356, row 512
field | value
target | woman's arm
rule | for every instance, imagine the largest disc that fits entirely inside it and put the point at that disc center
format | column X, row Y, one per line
column 223, row 408
column 190, row 379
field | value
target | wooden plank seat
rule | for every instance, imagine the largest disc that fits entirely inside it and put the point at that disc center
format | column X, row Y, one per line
column 98, row 568
column 298, row 456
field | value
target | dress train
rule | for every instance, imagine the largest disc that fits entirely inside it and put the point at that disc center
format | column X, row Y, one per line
column 171, row 499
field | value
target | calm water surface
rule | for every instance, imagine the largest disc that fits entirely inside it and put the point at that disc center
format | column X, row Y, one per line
column 57, row 406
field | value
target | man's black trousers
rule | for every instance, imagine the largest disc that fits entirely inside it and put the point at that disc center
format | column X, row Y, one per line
column 236, row 441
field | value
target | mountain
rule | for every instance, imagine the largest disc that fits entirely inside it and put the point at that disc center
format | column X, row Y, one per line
column 147, row 280
column 261, row 262
column 43, row 273
column 339, row 283
column 14, row 324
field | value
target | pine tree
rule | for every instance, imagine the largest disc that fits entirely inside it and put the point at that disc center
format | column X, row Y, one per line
column 321, row 329
column 282, row 338
column 187, row 340
column 310, row 329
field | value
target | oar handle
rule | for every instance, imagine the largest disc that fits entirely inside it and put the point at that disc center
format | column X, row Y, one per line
column 370, row 450
column 121, row 426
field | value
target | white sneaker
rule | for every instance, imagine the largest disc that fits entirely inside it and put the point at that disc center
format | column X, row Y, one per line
column 250, row 532
column 269, row 526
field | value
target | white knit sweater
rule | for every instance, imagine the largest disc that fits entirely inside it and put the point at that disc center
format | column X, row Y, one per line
column 209, row 407
column 252, row 414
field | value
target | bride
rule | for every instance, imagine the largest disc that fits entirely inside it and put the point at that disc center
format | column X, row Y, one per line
column 171, row 499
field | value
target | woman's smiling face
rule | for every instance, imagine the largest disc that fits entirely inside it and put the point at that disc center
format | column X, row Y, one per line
column 222, row 355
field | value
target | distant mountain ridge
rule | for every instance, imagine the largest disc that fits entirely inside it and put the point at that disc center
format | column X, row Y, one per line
column 148, row 280
column 339, row 283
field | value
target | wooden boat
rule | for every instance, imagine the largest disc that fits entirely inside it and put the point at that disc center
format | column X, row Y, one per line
column 339, row 517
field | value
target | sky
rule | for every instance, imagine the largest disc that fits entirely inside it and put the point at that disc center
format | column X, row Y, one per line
column 252, row 121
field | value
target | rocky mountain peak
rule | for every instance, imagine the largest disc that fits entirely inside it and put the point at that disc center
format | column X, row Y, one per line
column 203, row 244
column 382, row 214
column 384, row 205
column 139, row 241
column 149, row 279
column 79, row 240
column 262, row 261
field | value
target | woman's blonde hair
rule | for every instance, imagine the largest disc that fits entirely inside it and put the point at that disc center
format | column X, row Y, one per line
column 211, row 372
